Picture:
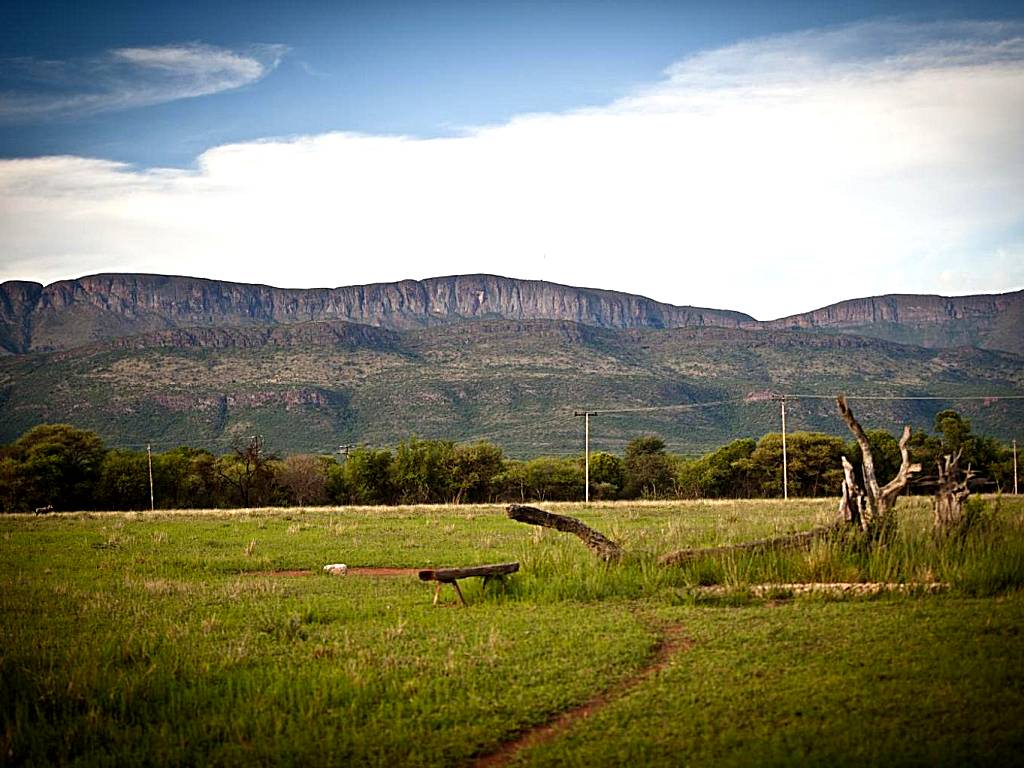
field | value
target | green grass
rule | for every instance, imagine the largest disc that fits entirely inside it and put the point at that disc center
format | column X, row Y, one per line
column 167, row 638
column 910, row 682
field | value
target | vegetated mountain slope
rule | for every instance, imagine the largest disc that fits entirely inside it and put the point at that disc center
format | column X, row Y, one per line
column 993, row 321
column 312, row 386
column 69, row 313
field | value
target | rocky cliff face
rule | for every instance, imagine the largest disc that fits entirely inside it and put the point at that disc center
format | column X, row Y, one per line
column 17, row 301
column 899, row 308
column 73, row 312
column 988, row 321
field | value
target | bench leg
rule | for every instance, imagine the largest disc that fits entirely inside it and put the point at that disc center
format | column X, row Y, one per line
column 437, row 592
column 456, row 585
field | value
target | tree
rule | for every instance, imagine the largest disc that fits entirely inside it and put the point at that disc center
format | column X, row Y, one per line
column 956, row 433
column 997, row 466
column 247, row 472
column 726, row 473
column 607, row 475
column 813, row 464
column 368, row 476
column 553, row 478
column 303, row 478
column 13, row 497
column 123, row 481
column 60, row 466
column 186, row 478
column 648, row 472
column 510, row 483
column 337, row 487
column 422, row 471
column 989, row 462
column 474, row 469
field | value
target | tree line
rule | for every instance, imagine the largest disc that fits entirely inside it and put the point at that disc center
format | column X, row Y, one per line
column 68, row 468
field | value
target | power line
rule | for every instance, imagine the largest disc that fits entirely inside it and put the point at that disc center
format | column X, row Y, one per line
column 950, row 398
column 677, row 406
column 799, row 396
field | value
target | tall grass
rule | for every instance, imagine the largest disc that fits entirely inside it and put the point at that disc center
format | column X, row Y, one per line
column 986, row 560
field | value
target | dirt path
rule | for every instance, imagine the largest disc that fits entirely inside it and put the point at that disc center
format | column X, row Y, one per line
column 353, row 570
column 358, row 570
column 673, row 640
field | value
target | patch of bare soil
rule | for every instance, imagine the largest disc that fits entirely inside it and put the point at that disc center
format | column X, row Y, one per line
column 353, row 570
column 359, row 570
column 673, row 640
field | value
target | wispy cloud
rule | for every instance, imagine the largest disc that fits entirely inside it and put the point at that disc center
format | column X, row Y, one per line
column 771, row 176
column 125, row 78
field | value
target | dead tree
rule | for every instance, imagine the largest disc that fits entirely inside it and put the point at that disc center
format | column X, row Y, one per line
column 950, row 495
column 602, row 546
column 866, row 505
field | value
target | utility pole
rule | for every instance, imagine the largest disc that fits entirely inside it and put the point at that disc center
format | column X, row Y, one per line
column 586, row 453
column 149, row 457
column 1014, row 467
column 345, row 449
column 785, row 464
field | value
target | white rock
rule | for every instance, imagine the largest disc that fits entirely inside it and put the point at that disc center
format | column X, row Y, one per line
column 339, row 568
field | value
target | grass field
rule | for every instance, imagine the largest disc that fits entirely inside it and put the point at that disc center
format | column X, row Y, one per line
column 215, row 638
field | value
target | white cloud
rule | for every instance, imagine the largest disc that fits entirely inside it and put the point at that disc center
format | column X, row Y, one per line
column 772, row 177
column 126, row 78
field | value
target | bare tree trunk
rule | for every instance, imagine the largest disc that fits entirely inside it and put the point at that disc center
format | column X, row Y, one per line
column 853, row 503
column 602, row 546
column 866, row 504
column 950, row 495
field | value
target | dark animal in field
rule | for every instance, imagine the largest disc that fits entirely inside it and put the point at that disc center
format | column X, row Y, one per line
column 44, row 510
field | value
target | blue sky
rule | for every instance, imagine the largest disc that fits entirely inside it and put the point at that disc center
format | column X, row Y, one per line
column 727, row 154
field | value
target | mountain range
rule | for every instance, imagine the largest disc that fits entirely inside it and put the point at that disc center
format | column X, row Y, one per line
column 176, row 360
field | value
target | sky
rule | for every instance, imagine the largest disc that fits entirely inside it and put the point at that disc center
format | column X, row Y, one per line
column 769, row 158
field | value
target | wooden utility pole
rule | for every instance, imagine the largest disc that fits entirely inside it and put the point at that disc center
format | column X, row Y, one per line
column 785, row 463
column 149, row 457
column 1014, row 467
column 586, row 453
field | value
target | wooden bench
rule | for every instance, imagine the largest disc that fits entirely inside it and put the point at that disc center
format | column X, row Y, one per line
column 452, row 576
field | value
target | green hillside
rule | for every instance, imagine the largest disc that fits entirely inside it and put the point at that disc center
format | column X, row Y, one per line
column 314, row 386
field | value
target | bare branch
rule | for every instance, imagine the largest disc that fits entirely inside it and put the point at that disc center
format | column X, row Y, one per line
column 907, row 469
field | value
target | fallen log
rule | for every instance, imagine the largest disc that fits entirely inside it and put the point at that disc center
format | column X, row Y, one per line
column 791, row 541
column 601, row 545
